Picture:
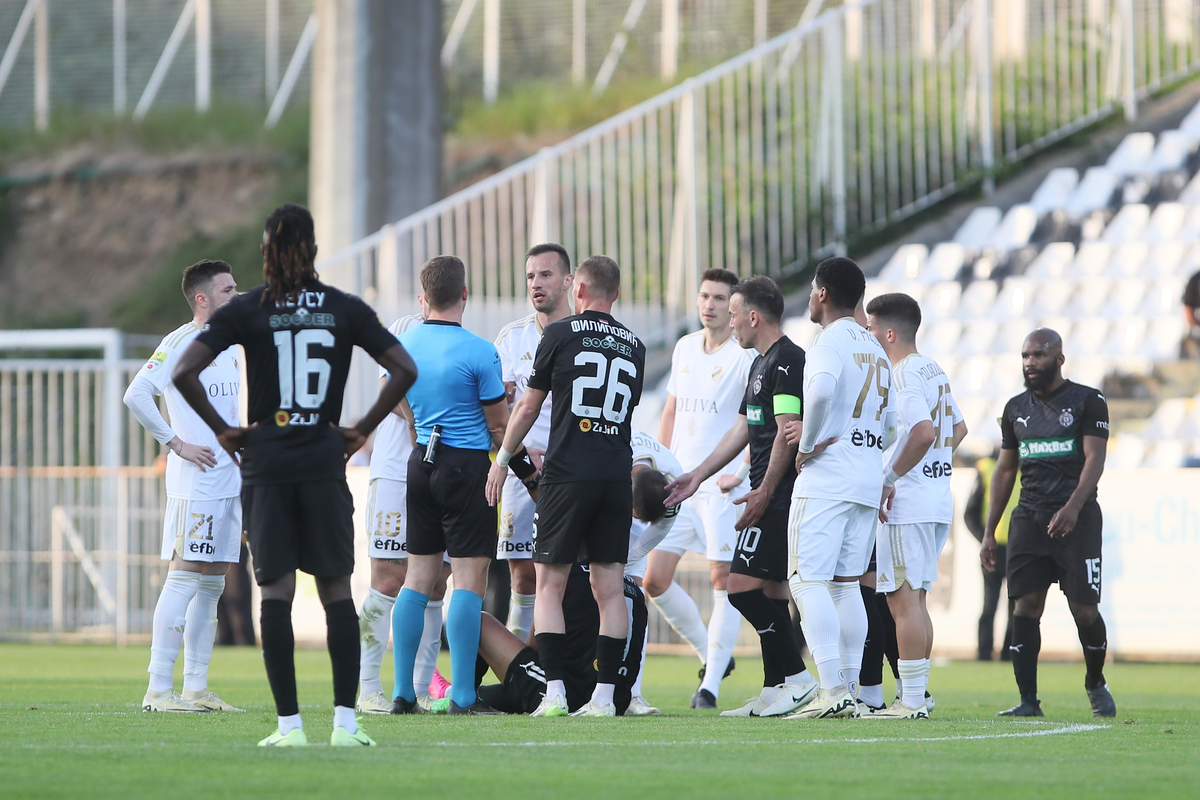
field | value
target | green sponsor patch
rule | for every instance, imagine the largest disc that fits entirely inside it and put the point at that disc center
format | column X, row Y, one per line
column 1041, row 448
column 754, row 415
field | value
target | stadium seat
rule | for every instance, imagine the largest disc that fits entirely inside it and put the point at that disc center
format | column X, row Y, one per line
column 1014, row 299
column 944, row 263
column 971, row 376
column 876, row 287
column 1189, row 429
column 976, row 338
column 1014, row 230
column 1190, row 196
column 1171, row 153
column 1125, row 298
column 1125, row 451
column 1191, row 123
column 942, row 300
column 1093, row 193
column 905, row 264
column 1167, row 419
column 1127, row 260
column 977, row 300
column 1189, row 229
column 1051, row 297
column 1087, row 370
column 1190, row 262
column 975, row 411
column 1055, row 189
column 1005, row 377
column 1125, row 338
column 978, row 227
column 1053, row 262
column 1166, row 454
column 1164, row 258
column 1088, row 335
column 1164, row 337
column 1128, row 225
column 1162, row 298
column 800, row 330
column 1090, row 260
column 1089, row 298
column 939, row 337
column 1132, row 155
column 1164, row 223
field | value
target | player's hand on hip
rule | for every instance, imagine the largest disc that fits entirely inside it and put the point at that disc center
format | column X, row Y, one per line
column 495, row 483
column 536, row 456
column 233, row 439
column 804, row 458
column 727, row 483
column 885, row 502
column 987, row 552
column 198, row 454
column 1063, row 522
column 755, row 501
column 352, row 439
column 792, row 430
column 682, row 488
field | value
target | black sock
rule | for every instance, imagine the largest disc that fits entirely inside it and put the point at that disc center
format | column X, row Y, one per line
column 1026, row 644
column 342, row 639
column 890, row 648
column 552, row 649
column 278, row 649
column 609, row 653
column 872, row 663
column 1094, row 638
column 774, row 627
column 785, row 609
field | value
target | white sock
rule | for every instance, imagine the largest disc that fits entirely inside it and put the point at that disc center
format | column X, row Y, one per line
column 520, row 615
column 343, row 717
column 822, row 629
column 927, row 666
column 170, row 620
column 852, row 618
column 431, row 645
column 913, row 674
column 899, row 687
column 871, row 695
column 556, row 689
column 602, row 695
column 290, row 723
column 200, row 633
column 799, row 678
column 637, row 685
column 723, row 628
column 680, row 611
column 374, row 625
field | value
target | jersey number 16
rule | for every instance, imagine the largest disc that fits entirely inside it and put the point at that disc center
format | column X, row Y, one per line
column 296, row 365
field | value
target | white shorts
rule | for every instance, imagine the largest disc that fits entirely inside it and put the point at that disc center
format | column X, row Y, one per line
column 830, row 538
column 909, row 553
column 516, row 521
column 387, row 519
column 203, row 530
column 704, row 525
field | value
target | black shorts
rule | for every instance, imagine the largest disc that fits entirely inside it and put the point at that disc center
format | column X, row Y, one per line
column 447, row 508
column 1035, row 560
column 523, row 688
column 582, row 521
column 762, row 549
column 305, row 526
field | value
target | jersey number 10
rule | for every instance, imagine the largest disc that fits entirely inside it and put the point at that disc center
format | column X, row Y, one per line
column 296, row 365
column 607, row 377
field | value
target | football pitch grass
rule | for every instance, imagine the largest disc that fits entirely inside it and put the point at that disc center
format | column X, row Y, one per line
column 70, row 726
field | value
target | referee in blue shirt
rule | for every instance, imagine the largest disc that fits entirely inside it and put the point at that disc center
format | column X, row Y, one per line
column 460, row 413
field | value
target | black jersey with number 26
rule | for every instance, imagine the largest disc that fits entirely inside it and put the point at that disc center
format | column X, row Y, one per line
column 297, row 358
column 779, row 371
column 593, row 368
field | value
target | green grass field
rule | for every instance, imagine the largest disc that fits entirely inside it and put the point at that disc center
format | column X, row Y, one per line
column 70, row 726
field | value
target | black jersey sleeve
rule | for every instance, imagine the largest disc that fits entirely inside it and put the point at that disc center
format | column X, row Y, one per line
column 1095, row 416
column 224, row 327
column 1008, row 433
column 789, row 380
column 543, row 361
column 369, row 333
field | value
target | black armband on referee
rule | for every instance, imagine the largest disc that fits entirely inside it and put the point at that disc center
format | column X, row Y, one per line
column 522, row 465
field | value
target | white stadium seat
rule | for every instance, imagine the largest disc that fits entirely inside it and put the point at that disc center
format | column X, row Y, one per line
column 1011, row 335
column 1088, row 335
column 800, row 330
column 876, row 287
column 1190, row 262
column 938, row 337
column 1125, row 338
column 1089, row 298
column 1167, row 454
column 1191, row 123
column 1052, row 297
column 1127, row 260
column 1127, row 225
column 1162, row 298
column 976, row 338
column 1086, row 369
column 971, row 377
column 1132, row 155
column 1055, row 189
column 1125, row 451
column 1189, row 429
column 1125, row 298
column 1090, row 260
column 906, row 263
column 1014, row 299
column 1053, row 262
column 975, row 231
column 944, row 263
column 1164, row 259
column 977, row 299
column 1171, row 153
column 1189, row 229
column 1165, row 223
column 1167, row 419
column 1092, row 194
column 1164, row 337
column 975, row 410
column 1006, row 378
column 941, row 301
column 1014, row 230
column 1190, row 196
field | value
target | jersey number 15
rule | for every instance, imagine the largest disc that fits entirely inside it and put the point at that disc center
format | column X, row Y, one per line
column 607, row 377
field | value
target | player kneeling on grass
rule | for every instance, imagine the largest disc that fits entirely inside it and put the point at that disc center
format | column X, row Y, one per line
column 916, row 507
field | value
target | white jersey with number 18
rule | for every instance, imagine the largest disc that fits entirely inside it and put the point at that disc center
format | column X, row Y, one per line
column 850, row 469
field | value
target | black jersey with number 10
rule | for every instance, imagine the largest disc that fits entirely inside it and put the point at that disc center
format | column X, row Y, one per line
column 297, row 358
column 593, row 368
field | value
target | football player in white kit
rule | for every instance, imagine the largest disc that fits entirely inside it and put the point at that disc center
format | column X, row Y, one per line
column 548, row 279
column 202, row 529
column 704, row 394
column 848, row 416
column 387, row 517
column 916, row 508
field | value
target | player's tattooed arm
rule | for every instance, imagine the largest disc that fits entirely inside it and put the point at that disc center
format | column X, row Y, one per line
column 733, row 442
column 1003, row 479
column 1094, row 454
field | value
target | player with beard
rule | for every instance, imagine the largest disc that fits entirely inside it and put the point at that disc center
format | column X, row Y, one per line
column 1056, row 433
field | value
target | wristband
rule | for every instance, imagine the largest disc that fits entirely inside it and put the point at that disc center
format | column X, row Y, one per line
column 503, row 456
column 522, row 465
column 890, row 477
column 742, row 471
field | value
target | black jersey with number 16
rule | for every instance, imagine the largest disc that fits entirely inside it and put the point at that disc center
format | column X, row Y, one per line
column 593, row 368
column 297, row 358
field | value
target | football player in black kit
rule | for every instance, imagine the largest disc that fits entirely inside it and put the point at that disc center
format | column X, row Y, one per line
column 593, row 367
column 298, row 334
column 1056, row 433
column 757, row 588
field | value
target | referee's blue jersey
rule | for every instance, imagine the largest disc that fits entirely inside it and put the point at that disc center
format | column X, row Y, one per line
column 458, row 373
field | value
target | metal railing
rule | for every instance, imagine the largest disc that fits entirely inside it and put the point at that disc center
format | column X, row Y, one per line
column 845, row 125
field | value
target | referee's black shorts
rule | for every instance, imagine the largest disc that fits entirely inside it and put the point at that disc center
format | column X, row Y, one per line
column 306, row 526
column 583, row 521
column 447, row 508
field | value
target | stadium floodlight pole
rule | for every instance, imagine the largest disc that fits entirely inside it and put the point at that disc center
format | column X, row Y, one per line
column 491, row 51
column 203, row 55
column 41, row 67
column 119, row 88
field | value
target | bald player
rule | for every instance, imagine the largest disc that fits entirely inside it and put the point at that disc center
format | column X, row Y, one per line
column 1055, row 432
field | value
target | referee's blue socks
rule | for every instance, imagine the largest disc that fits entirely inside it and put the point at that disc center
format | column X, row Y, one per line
column 462, row 633
column 408, row 623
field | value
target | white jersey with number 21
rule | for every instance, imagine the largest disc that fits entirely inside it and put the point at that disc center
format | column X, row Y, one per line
column 850, row 469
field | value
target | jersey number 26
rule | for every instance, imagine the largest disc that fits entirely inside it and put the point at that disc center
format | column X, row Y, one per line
column 607, row 377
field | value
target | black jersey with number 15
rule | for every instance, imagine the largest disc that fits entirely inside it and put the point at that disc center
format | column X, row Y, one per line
column 593, row 368
column 297, row 358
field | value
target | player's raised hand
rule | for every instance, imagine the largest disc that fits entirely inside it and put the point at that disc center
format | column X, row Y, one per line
column 885, row 502
column 1063, row 522
column 682, row 488
column 233, row 439
column 352, row 439
column 495, row 483
column 756, row 501
column 804, row 458
column 792, row 430
column 987, row 551
column 198, row 454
